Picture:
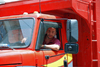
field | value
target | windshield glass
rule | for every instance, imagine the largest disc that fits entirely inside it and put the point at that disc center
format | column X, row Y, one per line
column 17, row 33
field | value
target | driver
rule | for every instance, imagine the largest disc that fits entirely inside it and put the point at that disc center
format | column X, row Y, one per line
column 50, row 41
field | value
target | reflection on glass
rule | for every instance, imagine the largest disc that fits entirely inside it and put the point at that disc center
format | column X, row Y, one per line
column 17, row 33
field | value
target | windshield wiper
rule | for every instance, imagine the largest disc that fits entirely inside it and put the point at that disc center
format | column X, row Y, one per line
column 5, row 46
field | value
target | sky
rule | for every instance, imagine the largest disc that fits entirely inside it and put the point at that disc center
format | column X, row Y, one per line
column 7, row 1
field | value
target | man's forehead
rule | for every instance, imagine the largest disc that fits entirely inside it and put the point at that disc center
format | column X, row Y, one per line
column 51, row 28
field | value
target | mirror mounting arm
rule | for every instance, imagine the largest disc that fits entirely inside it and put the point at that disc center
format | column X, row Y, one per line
column 47, row 56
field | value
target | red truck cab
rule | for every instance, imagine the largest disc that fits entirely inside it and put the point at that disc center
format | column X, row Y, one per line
column 86, row 12
column 21, row 38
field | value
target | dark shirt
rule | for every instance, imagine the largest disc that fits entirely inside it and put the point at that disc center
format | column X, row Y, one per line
column 53, row 41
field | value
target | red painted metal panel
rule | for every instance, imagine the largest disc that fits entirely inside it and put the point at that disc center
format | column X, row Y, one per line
column 31, row 6
column 7, row 55
column 98, row 29
column 28, row 57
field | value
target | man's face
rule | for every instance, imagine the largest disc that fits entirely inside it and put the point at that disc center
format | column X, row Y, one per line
column 51, row 32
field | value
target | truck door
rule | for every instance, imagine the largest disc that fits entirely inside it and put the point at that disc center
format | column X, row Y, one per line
column 51, row 58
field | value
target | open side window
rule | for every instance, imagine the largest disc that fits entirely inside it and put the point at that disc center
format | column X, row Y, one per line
column 44, row 25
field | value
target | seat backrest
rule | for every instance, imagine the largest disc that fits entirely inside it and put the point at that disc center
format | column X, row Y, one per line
column 2, row 30
column 0, row 37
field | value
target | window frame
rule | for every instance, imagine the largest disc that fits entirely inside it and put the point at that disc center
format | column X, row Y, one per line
column 60, row 37
column 19, row 19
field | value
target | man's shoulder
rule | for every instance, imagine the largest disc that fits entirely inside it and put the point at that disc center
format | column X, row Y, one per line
column 55, row 39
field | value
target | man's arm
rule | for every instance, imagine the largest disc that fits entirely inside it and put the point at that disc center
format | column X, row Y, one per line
column 52, row 46
column 23, row 40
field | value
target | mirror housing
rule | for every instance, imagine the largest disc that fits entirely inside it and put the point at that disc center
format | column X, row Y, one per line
column 72, row 30
column 71, row 48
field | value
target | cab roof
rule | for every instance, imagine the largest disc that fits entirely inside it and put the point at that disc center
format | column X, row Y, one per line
column 35, row 15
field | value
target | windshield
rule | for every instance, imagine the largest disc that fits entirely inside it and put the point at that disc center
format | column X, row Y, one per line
column 17, row 33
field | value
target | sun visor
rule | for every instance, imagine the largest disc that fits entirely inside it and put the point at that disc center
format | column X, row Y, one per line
column 52, row 24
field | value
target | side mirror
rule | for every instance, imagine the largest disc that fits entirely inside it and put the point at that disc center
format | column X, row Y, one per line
column 71, row 48
column 72, row 30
